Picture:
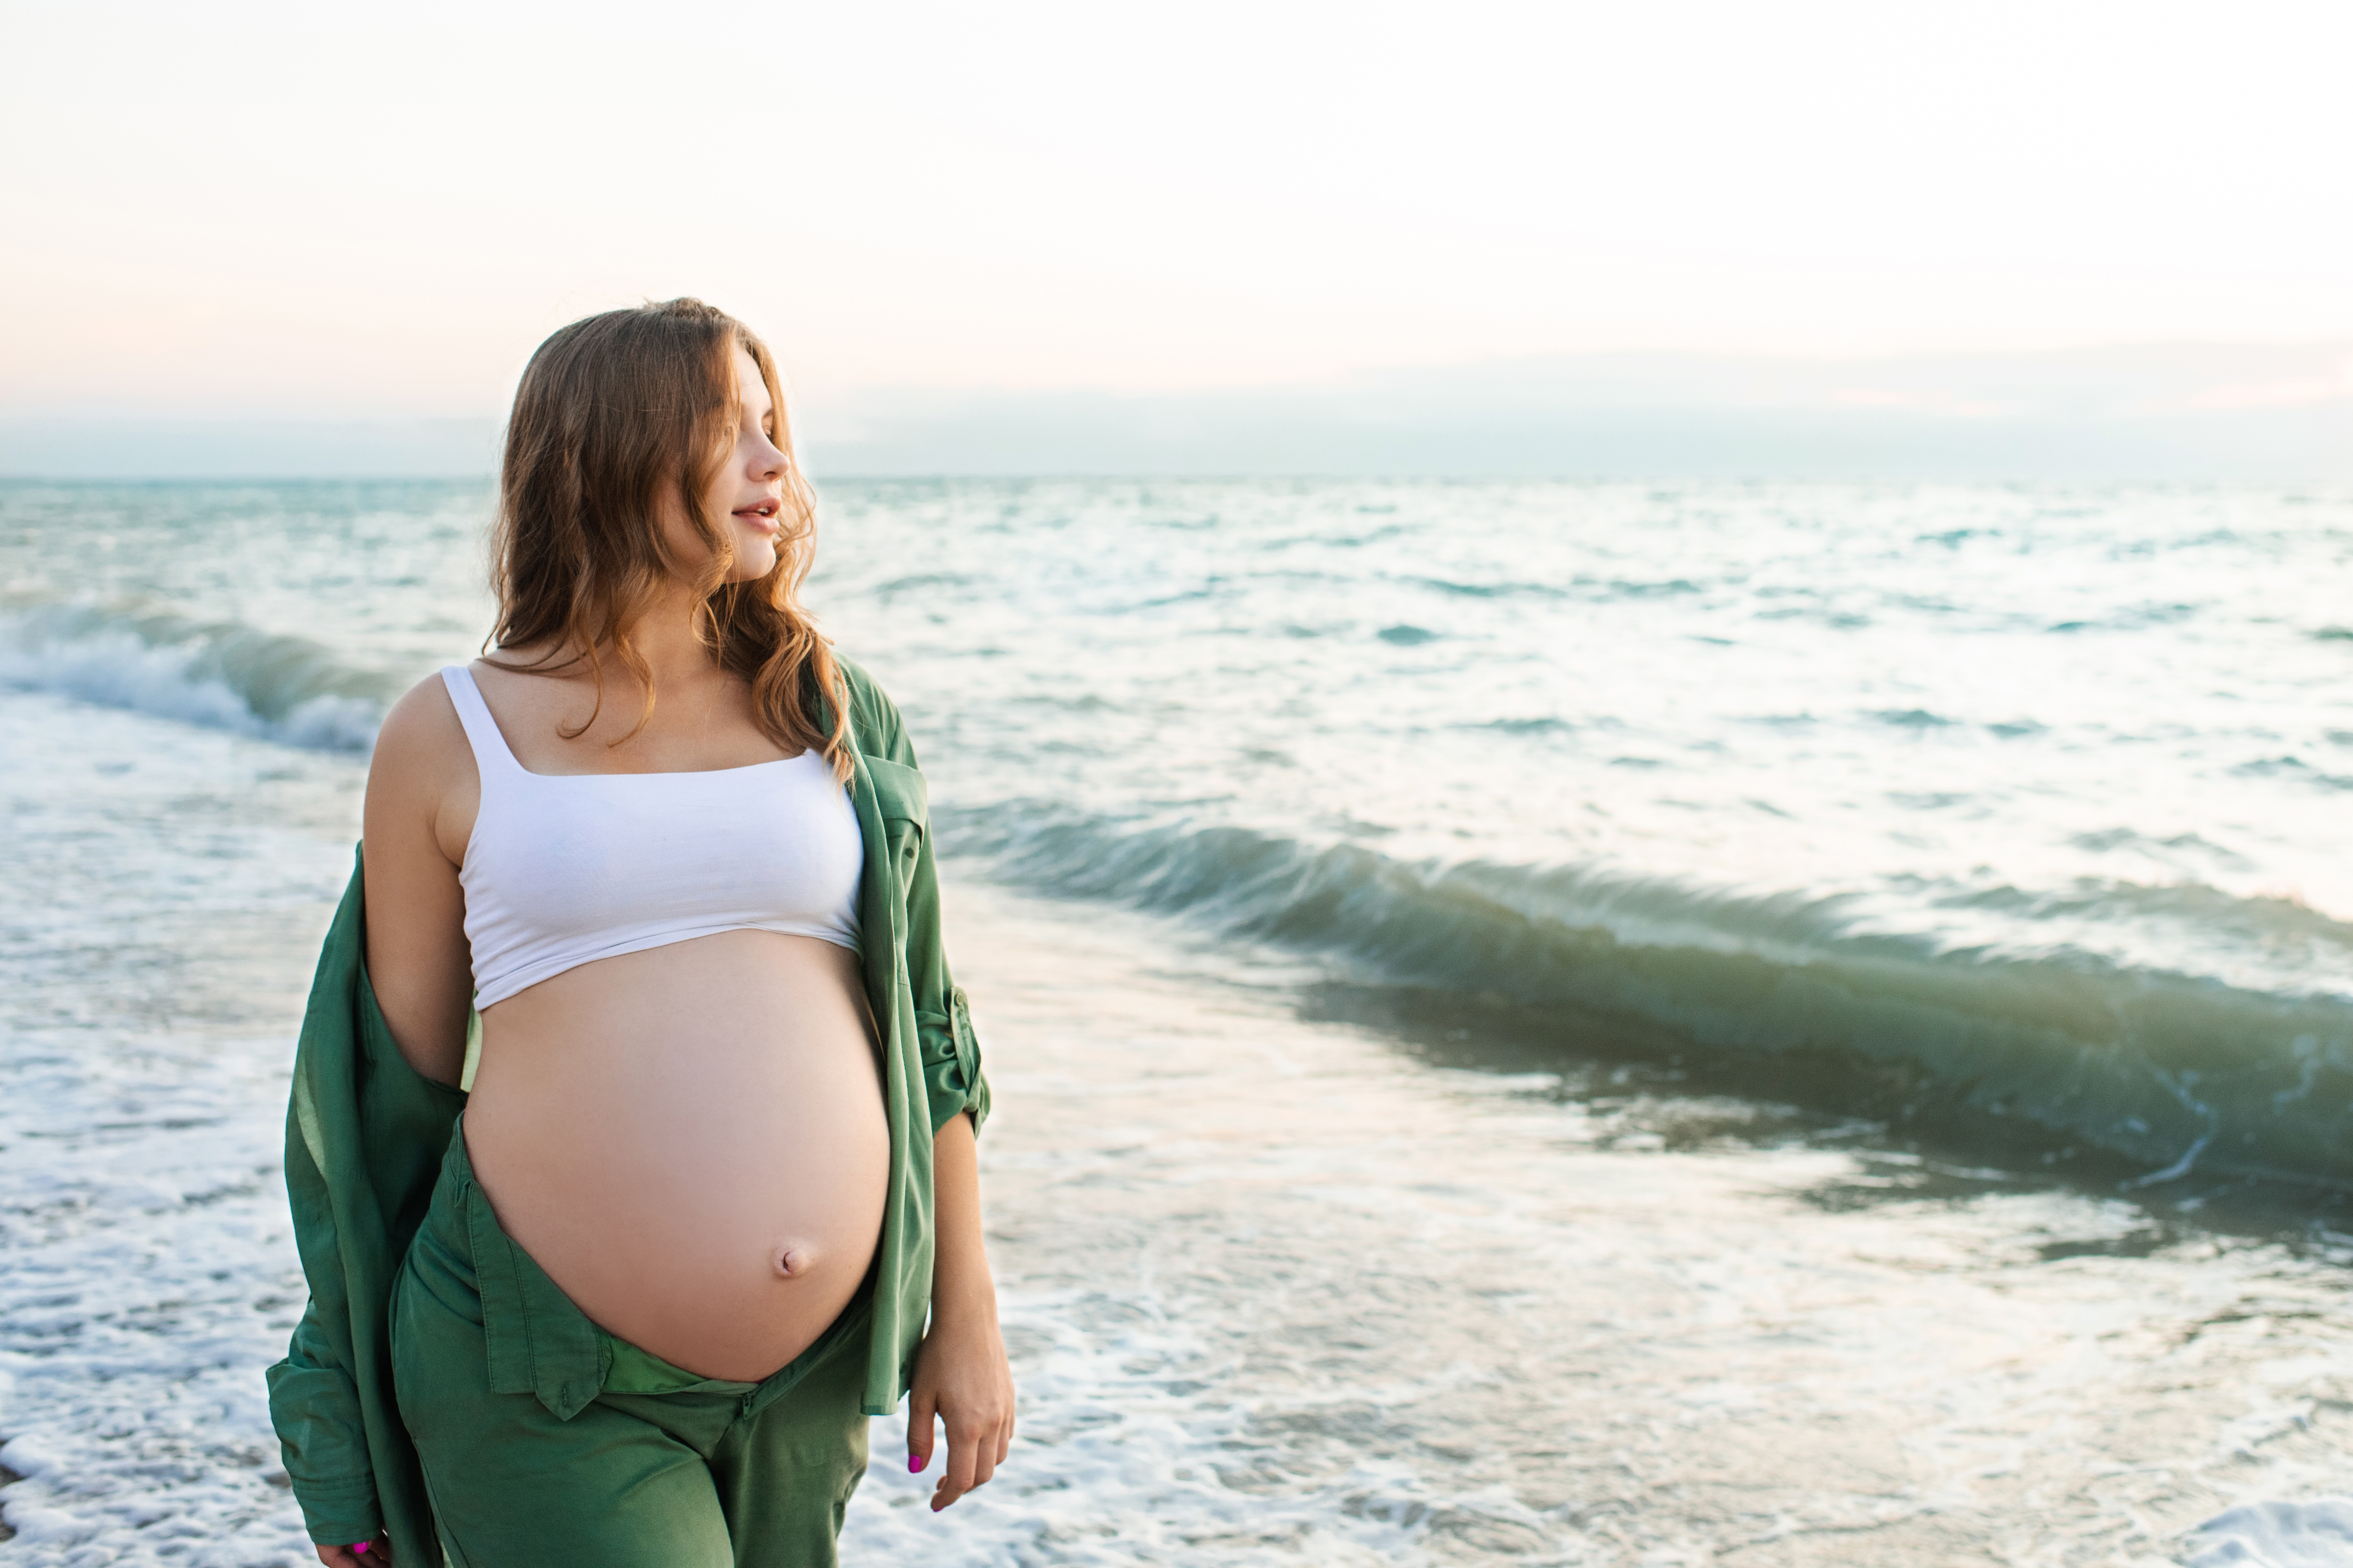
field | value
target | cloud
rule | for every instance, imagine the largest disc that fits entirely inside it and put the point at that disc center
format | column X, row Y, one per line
column 1930, row 401
column 2293, row 392
column 2181, row 411
column 2156, row 412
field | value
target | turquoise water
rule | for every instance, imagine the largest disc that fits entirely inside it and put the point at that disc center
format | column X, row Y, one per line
column 2018, row 814
column 1558, row 1023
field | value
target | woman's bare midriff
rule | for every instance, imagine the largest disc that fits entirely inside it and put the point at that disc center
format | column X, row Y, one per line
column 691, row 1141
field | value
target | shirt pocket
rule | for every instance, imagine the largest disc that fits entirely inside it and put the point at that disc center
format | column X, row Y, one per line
column 903, row 801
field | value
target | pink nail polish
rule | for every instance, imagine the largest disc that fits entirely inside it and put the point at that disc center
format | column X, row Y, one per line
column 914, row 1464
column 359, row 1548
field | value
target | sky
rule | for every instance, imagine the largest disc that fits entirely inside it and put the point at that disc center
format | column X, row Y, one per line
column 266, row 212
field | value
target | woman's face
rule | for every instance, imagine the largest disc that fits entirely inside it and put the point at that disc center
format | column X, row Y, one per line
column 748, row 490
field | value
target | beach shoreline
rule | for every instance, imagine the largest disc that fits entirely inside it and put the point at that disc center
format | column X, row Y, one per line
column 1282, row 1285
column 1358, row 1192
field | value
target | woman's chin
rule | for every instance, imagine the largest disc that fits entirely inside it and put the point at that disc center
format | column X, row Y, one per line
column 754, row 561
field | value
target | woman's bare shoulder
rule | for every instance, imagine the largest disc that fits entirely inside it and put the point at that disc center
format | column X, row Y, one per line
column 420, row 740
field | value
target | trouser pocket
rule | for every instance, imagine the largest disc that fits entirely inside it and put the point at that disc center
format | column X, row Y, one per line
column 439, row 1357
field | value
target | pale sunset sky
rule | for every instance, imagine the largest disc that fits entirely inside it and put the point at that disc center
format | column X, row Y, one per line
column 298, row 211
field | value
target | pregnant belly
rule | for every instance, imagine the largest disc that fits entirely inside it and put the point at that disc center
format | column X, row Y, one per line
column 691, row 1141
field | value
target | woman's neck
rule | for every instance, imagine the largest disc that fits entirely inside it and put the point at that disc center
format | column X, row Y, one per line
column 666, row 638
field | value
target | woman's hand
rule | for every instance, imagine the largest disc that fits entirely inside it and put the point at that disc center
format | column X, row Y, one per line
column 377, row 1555
column 961, row 1376
column 961, row 1373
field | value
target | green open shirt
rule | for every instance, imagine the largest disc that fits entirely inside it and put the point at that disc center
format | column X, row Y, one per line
column 364, row 1136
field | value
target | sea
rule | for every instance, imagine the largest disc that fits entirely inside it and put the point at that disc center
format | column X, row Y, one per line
column 1763, row 1024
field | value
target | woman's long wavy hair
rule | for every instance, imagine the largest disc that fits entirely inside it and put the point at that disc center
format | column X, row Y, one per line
column 618, row 414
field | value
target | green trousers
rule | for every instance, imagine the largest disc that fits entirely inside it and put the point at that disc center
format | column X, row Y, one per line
column 547, row 1441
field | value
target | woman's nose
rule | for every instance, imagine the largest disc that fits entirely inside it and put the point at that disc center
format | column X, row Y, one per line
column 767, row 461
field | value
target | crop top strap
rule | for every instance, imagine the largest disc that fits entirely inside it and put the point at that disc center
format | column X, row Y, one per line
column 481, row 731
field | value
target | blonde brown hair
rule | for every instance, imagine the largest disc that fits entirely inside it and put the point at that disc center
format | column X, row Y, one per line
column 615, row 414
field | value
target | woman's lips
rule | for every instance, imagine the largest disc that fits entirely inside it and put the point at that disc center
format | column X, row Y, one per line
column 762, row 516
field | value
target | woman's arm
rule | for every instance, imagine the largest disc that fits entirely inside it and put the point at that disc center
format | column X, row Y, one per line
column 961, row 1372
column 415, row 954
column 961, row 1376
column 421, row 793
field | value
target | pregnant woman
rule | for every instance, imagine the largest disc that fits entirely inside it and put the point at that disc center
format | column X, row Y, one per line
column 713, row 1198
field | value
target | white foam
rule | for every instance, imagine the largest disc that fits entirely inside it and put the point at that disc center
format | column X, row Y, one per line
column 1127, row 1440
column 2315, row 1534
column 154, row 917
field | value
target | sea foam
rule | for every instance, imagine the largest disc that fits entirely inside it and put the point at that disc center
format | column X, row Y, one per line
column 221, row 674
column 2315, row 1534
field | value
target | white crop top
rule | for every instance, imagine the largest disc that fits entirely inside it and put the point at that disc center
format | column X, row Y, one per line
column 564, row 869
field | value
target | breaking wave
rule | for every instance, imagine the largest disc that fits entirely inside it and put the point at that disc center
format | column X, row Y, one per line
column 2163, row 1072
column 220, row 674
column 2167, row 1072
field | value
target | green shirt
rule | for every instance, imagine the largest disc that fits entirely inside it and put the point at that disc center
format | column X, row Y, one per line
column 364, row 1136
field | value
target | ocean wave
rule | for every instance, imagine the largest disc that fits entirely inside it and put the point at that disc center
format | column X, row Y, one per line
column 2263, row 919
column 2162, row 1073
column 221, row 674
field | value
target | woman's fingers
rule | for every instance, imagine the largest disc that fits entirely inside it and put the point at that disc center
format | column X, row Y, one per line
column 974, row 1450
column 955, row 1475
column 376, row 1553
column 983, row 1443
column 919, row 1408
